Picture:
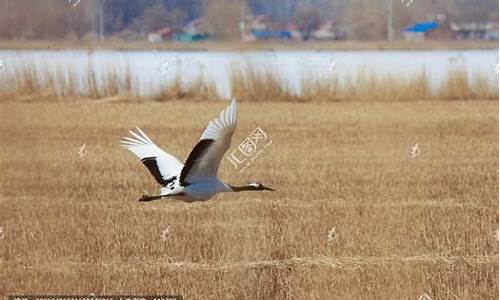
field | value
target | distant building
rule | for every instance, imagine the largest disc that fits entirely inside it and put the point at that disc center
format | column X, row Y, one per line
column 418, row 31
column 294, row 30
column 191, row 37
column 194, row 27
column 160, row 35
column 475, row 31
column 327, row 31
column 154, row 37
column 271, row 34
column 192, row 32
column 439, row 28
column 261, row 27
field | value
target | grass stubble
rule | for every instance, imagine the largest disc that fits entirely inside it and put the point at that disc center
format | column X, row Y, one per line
column 72, row 225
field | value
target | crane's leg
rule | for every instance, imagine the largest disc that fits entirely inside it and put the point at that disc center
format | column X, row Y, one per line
column 151, row 198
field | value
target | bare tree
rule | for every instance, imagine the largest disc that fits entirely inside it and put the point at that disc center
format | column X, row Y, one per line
column 308, row 20
column 222, row 17
column 57, row 19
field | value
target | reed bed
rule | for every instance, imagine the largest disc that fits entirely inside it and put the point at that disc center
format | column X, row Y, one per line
column 248, row 83
column 199, row 89
column 368, row 86
column 32, row 83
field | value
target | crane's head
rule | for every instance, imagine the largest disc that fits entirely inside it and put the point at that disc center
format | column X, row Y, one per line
column 257, row 186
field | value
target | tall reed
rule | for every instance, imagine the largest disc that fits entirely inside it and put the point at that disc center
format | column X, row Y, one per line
column 198, row 89
column 248, row 82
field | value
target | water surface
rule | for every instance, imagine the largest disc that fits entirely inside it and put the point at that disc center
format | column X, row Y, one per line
column 152, row 70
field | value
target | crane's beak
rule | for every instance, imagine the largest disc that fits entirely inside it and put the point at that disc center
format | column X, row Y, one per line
column 268, row 189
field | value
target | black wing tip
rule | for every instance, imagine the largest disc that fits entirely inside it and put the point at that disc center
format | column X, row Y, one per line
column 148, row 158
column 152, row 165
column 199, row 149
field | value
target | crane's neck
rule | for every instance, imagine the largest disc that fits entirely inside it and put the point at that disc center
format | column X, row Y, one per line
column 242, row 188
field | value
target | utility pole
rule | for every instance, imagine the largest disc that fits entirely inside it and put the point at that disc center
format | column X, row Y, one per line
column 390, row 21
column 242, row 21
column 101, row 20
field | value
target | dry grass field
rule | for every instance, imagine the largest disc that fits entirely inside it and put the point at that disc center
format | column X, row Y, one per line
column 404, row 226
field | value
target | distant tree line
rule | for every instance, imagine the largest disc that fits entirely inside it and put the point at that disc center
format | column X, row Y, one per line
column 57, row 19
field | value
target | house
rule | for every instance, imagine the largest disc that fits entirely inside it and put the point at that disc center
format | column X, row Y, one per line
column 437, row 27
column 261, row 27
column 418, row 31
column 191, row 37
column 475, row 31
column 154, row 37
column 260, row 22
column 194, row 27
column 294, row 30
column 326, row 31
column 440, row 28
column 271, row 34
column 192, row 32
column 160, row 35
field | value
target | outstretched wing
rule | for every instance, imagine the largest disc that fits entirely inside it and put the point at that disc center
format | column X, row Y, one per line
column 163, row 166
column 203, row 161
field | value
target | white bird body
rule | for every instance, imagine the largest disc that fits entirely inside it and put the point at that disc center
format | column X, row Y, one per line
column 196, row 179
column 197, row 191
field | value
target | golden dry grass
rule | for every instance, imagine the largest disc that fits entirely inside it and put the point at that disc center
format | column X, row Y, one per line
column 257, row 83
column 367, row 85
column 248, row 82
column 405, row 226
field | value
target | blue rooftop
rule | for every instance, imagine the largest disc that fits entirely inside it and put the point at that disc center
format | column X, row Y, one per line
column 422, row 27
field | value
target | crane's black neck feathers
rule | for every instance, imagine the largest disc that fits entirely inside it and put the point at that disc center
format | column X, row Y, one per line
column 244, row 188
